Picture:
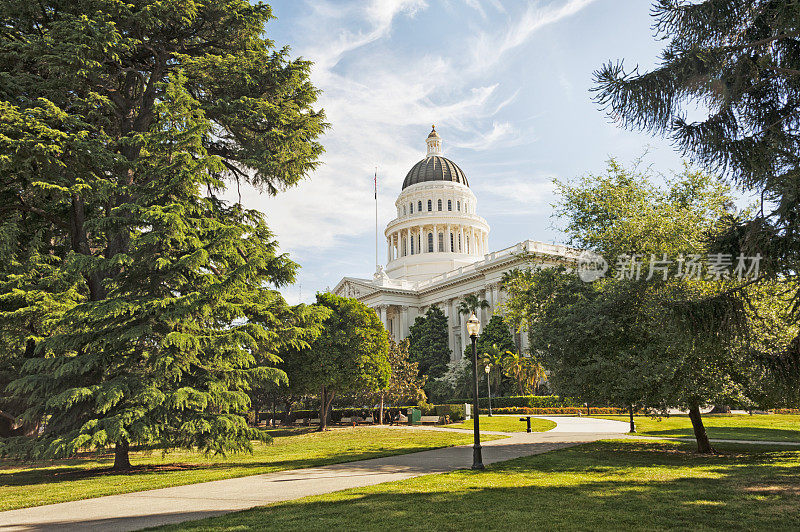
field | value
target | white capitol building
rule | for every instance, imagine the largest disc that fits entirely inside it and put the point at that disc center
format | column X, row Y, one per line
column 438, row 252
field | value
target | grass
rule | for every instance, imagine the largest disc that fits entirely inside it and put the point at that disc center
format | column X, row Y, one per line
column 611, row 485
column 67, row 480
column 506, row 424
column 772, row 427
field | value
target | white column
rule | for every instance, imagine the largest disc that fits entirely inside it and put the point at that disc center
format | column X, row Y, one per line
column 403, row 323
column 435, row 238
column 382, row 314
column 461, row 238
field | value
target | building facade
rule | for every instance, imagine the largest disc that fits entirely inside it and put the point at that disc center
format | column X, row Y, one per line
column 438, row 253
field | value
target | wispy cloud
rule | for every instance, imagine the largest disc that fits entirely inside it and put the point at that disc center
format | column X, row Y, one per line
column 380, row 101
column 489, row 47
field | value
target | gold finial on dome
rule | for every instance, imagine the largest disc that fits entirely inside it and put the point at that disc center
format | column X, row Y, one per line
column 433, row 132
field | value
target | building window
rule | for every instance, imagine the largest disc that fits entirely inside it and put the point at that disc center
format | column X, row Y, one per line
column 458, row 206
column 441, row 242
column 459, row 242
column 419, row 206
column 411, row 207
column 430, row 242
column 452, row 243
column 405, row 211
column 430, row 205
column 439, row 205
column 467, row 245
column 412, row 245
column 449, row 205
column 404, row 248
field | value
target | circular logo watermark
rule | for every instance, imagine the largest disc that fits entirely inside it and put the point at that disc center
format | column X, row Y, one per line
column 591, row 266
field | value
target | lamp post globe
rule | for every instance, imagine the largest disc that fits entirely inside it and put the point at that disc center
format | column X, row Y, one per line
column 474, row 328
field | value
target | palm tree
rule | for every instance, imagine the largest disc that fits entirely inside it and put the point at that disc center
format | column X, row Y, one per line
column 472, row 303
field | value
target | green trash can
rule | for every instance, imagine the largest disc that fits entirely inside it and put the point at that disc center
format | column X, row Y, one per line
column 414, row 416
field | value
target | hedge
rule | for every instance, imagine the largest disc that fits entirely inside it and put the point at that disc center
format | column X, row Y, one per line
column 523, row 401
column 570, row 410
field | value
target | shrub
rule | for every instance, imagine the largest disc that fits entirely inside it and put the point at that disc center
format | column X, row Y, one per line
column 456, row 412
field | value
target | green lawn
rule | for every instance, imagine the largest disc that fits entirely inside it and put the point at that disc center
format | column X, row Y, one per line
column 506, row 424
column 772, row 427
column 612, row 485
column 67, row 480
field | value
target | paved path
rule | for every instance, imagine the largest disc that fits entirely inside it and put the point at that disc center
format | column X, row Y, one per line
column 133, row 511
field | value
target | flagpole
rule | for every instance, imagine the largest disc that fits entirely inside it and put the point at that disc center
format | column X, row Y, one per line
column 376, row 219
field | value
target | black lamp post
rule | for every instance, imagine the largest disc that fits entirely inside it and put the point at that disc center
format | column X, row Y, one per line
column 474, row 328
column 488, row 370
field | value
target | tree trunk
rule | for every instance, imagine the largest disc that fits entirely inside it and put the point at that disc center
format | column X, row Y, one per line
column 703, row 445
column 323, row 408
column 380, row 416
column 633, row 425
column 122, row 461
column 326, row 398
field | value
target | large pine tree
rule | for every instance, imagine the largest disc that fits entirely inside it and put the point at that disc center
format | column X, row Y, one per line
column 138, row 305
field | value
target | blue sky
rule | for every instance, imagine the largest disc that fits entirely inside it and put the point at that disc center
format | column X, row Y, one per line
column 507, row 85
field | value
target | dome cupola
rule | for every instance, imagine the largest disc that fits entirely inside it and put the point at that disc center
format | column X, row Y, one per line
column 434, row 167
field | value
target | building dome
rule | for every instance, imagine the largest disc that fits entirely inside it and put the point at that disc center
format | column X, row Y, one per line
column 435, row 168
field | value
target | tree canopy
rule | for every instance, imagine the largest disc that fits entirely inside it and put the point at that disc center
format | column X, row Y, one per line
column 139, row 306
column 429, row 343
column 737, row 63
column 634, row 340
column 349, row 356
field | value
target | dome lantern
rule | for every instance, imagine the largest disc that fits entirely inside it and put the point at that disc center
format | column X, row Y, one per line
column 434, row 142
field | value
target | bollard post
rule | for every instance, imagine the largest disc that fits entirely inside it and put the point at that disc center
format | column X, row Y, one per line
column 528, row 419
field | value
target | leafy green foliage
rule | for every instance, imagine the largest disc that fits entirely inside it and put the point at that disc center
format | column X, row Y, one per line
column 653, row 343
column 349, row 356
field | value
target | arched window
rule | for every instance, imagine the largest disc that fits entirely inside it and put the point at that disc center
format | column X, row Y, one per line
column 449, row 205
column 439, row 205
column 441, row 242
column 430, row 205
column 458, row 206
column 430, row 242
column 419, row 206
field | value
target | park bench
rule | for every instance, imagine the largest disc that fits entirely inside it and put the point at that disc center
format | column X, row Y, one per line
column 429, row 419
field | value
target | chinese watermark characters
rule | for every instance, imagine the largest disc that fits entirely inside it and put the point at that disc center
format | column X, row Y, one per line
column 714, row 267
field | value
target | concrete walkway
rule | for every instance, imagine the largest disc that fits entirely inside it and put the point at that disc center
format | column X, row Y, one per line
column 133, row 511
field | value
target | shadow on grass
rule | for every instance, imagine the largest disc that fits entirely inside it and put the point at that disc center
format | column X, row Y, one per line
column 36, row 476
column 733, row 433
column 610, row 485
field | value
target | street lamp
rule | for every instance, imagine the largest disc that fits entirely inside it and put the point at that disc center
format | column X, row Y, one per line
column 488, row 370
column 474, row 328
